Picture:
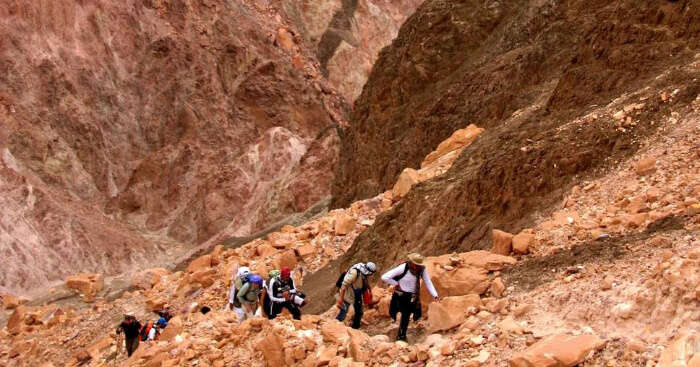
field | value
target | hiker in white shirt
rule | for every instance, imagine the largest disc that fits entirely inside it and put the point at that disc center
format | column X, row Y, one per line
column 406, row 296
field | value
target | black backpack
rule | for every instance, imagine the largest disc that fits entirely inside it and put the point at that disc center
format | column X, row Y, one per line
column 339, row 282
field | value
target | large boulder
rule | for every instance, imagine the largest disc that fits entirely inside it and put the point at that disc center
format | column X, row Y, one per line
column 10, row 302
column 522, row 242
column 272, row 349
column 683, row 351
column 502, row 242
column 344, row 224
column 87, row 284
column 560, row 350
column 16, row 320
column 335, row 332
column 450, row 312
column 406, row 180
column 174, row 327
column 200, row 263
column 148, row 278
column 459, row 139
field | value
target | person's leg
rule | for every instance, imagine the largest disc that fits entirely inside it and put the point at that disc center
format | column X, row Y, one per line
column 239, row 313
column 343, row 312
column 406, row 311
column 293, row 309
column 357, row 319
column 127, row 346
column 135, row 345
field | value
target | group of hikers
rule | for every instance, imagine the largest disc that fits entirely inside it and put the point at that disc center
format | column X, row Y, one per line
column 134, row 332
column 251, row 295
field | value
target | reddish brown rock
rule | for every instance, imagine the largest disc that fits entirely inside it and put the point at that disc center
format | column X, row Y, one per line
column 681, row 350
column 501, row 242
column 458, row 140
column 645, row 166
column 10, row 302
column 200, row 263
column 344, row 224
column 406, row 180
column 272, row 348
column 16, row 320
column 305, row 250
column 559, row 350
column 522, row 242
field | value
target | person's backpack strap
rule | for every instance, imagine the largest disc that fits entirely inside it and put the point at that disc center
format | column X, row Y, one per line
column 405, row 271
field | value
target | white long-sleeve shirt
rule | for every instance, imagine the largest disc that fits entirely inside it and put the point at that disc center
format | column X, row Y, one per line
column 408, row 282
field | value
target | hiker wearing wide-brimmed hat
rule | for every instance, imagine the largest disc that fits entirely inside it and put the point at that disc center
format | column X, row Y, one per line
column 406, row 297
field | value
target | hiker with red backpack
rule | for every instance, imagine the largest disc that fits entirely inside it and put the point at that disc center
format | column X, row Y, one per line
column 405, row 279
column 352, row 286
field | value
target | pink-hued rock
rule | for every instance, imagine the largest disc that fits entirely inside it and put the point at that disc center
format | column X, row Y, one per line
column 502, row 242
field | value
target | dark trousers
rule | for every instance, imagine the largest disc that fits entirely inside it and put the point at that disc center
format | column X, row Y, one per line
column 357, row 307
column 268, row 307
column 406, row 304
column 292, row 308
column 131, row 345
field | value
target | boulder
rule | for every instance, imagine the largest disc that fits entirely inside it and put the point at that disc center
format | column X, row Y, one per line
column 16, row 320
column 156, row 303
column 87, row 284
column 285, row 39
column 559, row 350
column 344, row 224
column 645, row 166
column 502, row 242
column 148, row 278
column 170, row 332
column 272, row 348
column 200, row 263
column 204, row 277
column 458, row 140
column 406, row 180
column 335, row 332
column 450, row 312
column 522, row 242
column 305, row 250
column 681, row 351
column 497, row 287
column 287, row 259
column 265, row 250
column 10, row 302
column 356, row 347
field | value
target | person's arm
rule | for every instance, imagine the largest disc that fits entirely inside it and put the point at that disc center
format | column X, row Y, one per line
column 429, row 284
column 388, row 277
column 271, row 292
column 232, row 293
column 119, row 328
column 242, row 293
column 152, row 333
column 349, row 278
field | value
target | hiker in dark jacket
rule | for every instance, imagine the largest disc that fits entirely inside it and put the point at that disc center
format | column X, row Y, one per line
column 406, row 297
column 281, row 291
column 131, row 328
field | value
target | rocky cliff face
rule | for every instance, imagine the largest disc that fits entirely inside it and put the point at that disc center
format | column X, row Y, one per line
column 533, row 74
column 171, row 119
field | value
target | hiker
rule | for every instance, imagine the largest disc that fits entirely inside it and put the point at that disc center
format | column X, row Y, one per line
column 281, row 291
column 267, row 305
column 232, row 293
column 248, row 288
column 131, row 328
column 351, row 290
column 406, row 296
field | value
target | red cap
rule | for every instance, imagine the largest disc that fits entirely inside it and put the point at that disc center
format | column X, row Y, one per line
column 285, row 273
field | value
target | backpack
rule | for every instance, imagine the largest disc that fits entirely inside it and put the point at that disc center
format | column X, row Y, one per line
column 242, row 280
column 339, row 282
column 405, row 271
column 145, row 329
